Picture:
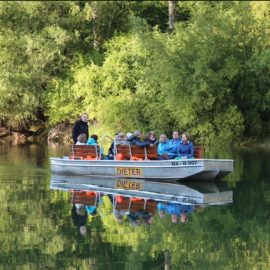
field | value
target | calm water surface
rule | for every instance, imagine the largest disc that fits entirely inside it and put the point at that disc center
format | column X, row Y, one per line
column 38, row 230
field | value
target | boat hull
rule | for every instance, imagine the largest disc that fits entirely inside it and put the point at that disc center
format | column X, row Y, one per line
column 200, row 169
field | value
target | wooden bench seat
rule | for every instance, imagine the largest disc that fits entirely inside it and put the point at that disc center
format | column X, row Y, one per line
column 85, row 152
column 125, row 150
column 143, row 153
column 151, row 152
column 198, row 151
column 136, row 152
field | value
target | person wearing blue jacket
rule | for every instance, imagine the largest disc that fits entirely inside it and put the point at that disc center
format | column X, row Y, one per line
column 161, row 150
column 93, row 140
column 185, row 148
column 172, row 145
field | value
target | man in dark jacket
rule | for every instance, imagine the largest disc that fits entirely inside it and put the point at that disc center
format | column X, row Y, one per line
column 80, row 127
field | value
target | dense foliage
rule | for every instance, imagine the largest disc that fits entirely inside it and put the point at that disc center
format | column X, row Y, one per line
column 117, row 61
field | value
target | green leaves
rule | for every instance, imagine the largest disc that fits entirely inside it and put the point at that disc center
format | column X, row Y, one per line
column 210, row 77
column 40, row 41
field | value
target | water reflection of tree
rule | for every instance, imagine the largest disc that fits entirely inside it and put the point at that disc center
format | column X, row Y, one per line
column 37, row 233
column 215, row 237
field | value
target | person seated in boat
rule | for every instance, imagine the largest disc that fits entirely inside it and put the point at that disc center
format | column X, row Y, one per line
column 136, row 139
column 185, row 148
column 111, row 148
column 82, row 139
column 172, row 145
column 93, row 140
column 120, row 138
column 163, row 142
column 151, row 137
column 128, row 136
column 176, row 210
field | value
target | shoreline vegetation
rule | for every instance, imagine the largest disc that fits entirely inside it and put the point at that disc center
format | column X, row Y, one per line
column 62, row 134
column 205, row 72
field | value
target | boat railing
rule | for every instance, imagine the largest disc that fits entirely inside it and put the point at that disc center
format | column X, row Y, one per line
column 198, row 151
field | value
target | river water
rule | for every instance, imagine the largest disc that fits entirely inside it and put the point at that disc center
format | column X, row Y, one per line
column 38, row 230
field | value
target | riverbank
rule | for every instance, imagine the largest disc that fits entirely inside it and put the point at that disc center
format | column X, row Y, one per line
column 61, row 134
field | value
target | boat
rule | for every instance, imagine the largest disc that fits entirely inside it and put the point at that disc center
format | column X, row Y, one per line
column 197, row 169
column 190, row 193
column 139, row 163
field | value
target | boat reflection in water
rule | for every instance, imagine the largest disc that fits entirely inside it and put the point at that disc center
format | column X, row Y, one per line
column 138, row 200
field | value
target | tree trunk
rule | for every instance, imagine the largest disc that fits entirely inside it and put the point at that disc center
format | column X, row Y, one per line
column 171, row 9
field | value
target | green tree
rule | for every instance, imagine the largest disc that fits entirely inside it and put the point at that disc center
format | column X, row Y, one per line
column 115, row 60
column 40, row 41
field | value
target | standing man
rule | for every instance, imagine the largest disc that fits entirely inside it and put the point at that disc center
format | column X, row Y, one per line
column 80, row 127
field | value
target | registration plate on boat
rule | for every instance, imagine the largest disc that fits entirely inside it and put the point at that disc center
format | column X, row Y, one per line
column 124, row 171
column 127, row 184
